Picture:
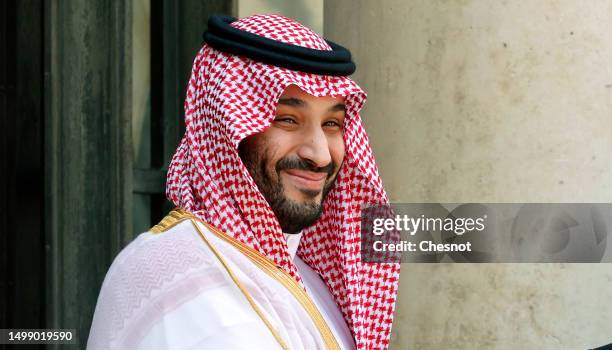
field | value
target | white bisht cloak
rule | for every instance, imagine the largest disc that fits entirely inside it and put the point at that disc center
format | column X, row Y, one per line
column 186, row 285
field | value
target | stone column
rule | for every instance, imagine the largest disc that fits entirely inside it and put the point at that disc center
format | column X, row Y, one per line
column 88, row 162
column 487, row 101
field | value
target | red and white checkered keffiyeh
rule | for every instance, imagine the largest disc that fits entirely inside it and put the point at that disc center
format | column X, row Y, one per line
column 231, row 97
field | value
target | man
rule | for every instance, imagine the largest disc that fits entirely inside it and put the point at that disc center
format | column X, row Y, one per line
column 262, row 251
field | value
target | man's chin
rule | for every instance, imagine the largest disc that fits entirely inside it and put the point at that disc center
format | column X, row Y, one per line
column 304, row 196
column 297, row 210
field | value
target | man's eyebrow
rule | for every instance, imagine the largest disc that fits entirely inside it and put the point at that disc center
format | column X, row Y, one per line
column 339, row 107
column 296, row 102
column 292, row 101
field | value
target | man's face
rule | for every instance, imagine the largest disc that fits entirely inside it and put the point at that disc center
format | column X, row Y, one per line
column 295, row 161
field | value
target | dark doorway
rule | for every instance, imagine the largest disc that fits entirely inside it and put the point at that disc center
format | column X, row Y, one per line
column 22, row 255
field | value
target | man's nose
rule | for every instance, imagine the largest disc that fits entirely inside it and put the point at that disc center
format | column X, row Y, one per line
column 314, row 148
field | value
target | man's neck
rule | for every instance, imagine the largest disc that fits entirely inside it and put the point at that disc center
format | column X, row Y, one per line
column 293, row 241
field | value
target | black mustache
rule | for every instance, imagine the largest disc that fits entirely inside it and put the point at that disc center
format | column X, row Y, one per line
column 300, row 164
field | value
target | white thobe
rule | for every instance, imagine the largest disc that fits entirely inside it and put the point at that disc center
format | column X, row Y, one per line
column 174, row 290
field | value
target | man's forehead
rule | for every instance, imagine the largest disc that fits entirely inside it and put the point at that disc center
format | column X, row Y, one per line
column 294, row 91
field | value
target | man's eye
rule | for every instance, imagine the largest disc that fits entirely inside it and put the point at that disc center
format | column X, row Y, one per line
column 333, row 123
column 284, row 120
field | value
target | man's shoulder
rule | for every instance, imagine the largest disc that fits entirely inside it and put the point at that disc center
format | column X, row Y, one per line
column 158, row 268
column 158, row 242
column 170, row 248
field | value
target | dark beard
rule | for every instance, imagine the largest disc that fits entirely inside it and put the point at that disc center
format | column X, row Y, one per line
column 292, row 216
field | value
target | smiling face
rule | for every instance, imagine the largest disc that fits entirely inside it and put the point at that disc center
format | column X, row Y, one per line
column 295, row 161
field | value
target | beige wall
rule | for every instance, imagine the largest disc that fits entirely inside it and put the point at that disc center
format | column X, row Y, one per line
column 307, row 12
column 490, row 101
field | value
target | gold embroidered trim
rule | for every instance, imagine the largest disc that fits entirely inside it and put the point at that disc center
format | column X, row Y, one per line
column 244, row 291
column 285, row 279
column 178, row 215
column 173, row 218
